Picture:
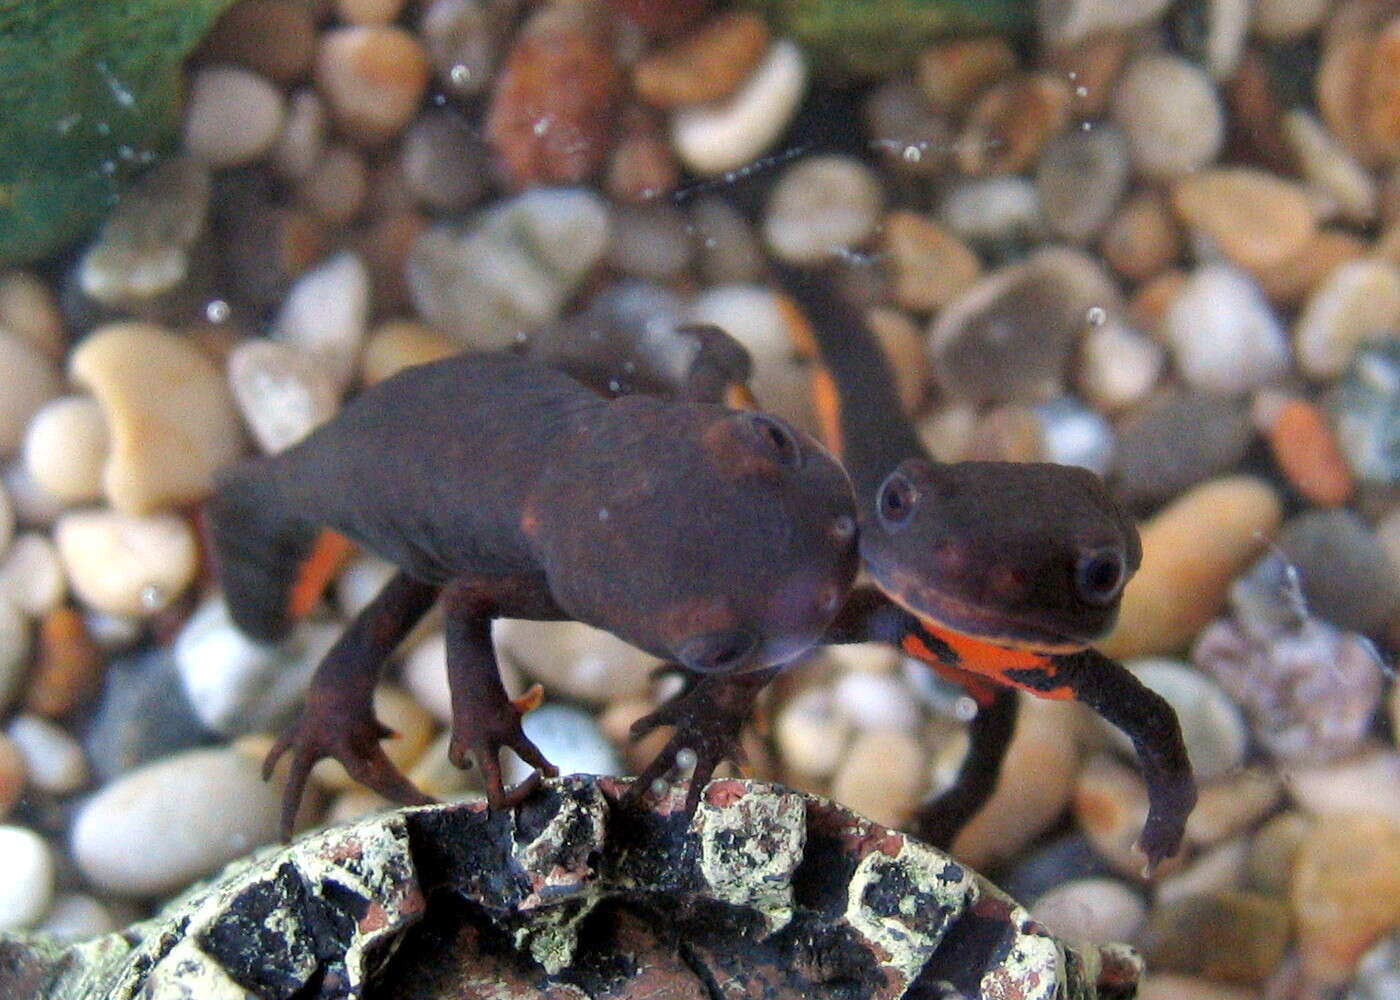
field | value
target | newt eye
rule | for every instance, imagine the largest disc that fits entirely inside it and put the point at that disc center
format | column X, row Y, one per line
column 775, row 438
column 716, row 652
column 896, row 500
column 1099, row 576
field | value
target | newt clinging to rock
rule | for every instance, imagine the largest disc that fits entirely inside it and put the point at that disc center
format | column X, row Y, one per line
column 722, row 539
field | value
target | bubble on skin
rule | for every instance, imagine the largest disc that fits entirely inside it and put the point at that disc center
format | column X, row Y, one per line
column 603, row 514
column 965, row 709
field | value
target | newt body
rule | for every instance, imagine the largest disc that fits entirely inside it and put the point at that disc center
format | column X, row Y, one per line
column 719, row 538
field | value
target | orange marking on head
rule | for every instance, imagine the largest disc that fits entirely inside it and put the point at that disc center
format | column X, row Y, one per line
column 328, row 554
column 826, row 397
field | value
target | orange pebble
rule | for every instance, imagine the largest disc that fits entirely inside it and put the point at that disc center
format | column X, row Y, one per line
column 1306, row 449
column 68, row 667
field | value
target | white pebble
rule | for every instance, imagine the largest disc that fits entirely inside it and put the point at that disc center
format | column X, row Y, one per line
column 569, row 739
column 1065, row 22
column 53, row 759
column 714, row 138
column 1224, row 333
column 876, row 701
column 1094, row 910
column 27, row 888
column 325, row 314
column 1329, row 168
column 1118, row 366
column 1358, row 302
column 1169, row 109
column 992, row 209
column 65, row 448
column 158, row 828
column 303, row 135
column 122, row 564
column 75, row 916
column 32, row 505
column 821, row 207
column 30, row 381
column 1227, row 24
column 1216, row 870
column 232, row 115
column 281, row 391
column 1073, row 434
column 811, row 734
column 424, row 674
column 575, row 659
column 14, row 651
column 31, row 575
column 1368, row 782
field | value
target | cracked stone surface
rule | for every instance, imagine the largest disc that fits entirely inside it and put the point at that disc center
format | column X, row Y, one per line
column 765, row 895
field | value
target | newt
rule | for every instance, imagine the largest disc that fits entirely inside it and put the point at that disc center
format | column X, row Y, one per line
column 998, row 575
column 722, row 539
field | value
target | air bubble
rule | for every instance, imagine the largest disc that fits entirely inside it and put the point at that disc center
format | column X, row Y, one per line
column 913, row 154
column 460, row 74
column 686, row 759
column 152, row 597
column 1081, row 91
column 216, row 311
column 1096, row 316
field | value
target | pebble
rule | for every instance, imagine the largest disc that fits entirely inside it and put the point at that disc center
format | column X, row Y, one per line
column 368, row 11
column 1064, row 24
column 443, row 161
column 1219, row 869
column 14, row 651
column 1256, row 219
column 1170, row 113
column 65, row 447
column 31, row 575
column 53, row 760
column 125, row 564
column 360, row 582
column 1233, row 804
column 1332, row 170
column 1212, row 727
column 1010, row 122
column 902, row 341
column 424, row 675
column 1073, row 434
column 1170, row 986
column 952, row 73
column 1345, row 575
column 1176, row 440
column 1368, row 782
column 76, row 916
column 1273, row 851
column 397, row 344
column 31, row 506
column 281, row 391
column 727, row 249
column 372, row 78
column 232, row 116
column 1110, row 807
column 1094, row 910
column 650, row 241
column 812, row 733
column 1345, row 893
column 30, row 382
column 708, row 64
column 413, row 729
column 435, row 774
column 463, row 39
column 237, row 686
column 303, row 136
column 1285, row 20
column 928, row 266
column 336, row 185
column 876, row 701
column 1043, row 868
column 992, row 211
column 1224, row 334
column 144, row 248
column 1368, row 408
column 1357, row 303
column 911, row 138
column 29, row 308
column 325, row 315
column 1118, row 366
column 1141, row 240
column 1306, row 449
column 1192, row 549
column 575, row 660
column 1010, row 336
column 67, row 665
column 1291, row 282
column 275, row 38
column 1381, row 96
column 511, row 271
column 171, row 419
column 12, row 776
column 570, row 739
column 711, row 139
column 28, row 886
column 1232, row 936
column 7, row 520
column 820, row 208
column 1081, row 177
column 156, row 829
column 882, row 776
column 642, row 166
column 1378, row 972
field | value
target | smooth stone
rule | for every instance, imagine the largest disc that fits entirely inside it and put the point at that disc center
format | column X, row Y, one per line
column 424, row 675
column 368, row 11
column 1233, row 804
column 1330, row 168
column 650, row 241
column 443, row 161
column 1256, row 219
column 1171, row 114
column 570, row 739
column 876, row 701
column 882, row 776
column 1176, row 441
column 276, row 38
column 706, row 64
column 1290, row 283
column 303, row 137
column 1378, row 972
column 1171, row 986
column 1110, row 807
column 67, row 668
column 1359, row 302
column 53, row 759
column 397, row 344
column 1274, row 850
column 1211, row 725
column 372, row 77
column 1141, row 240
column 13, row 779
column 1118, row 366
column 121, row 564
column 30, row 382
column 1367, row 782
column 14, row 651
column 1009, row 123
column 156, row 829
column 1073, row 434
column 326, row 313
column 27, row 889
column 993, row 211
column 1066, row 23
column 1009, row 337
column 711, row 139
column 1367, row 413
column 360, row 582
column 1345, row 893
column 32, row 578
column 76, row 916
column 952, row 72
column 1095, row 910
column 336, row 186
column 727, row 249
column 232, row 116
column 65, row 448
column 513, row 269
column 820, row 208
column 435, row 774
column 1043, row 868
column 464, row 39
column 413, row 730
column 142, row 715
column 29, row 308
column 1345, row 574
column 1224, row 334
column 1219, row 869
column 282, row 392
column 575, row 660
column 929, row 266
column 1081, row 178
column 1306, row 449
column 1284, row 20
column 1233, row 936
column 171, row 419
column 1192, row 549
column 7, row 520
column 812, row 733
column 236, row 685
column 910, row 136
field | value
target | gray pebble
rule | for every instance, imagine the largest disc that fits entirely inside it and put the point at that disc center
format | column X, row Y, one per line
column 1378, row 972
column 1171, row 113
column 1345, row 574
column 1098, row 910
column 1367, row 410
column 14, row 651
column 1178, row 440
column 464, row 39
column 993, row 211
column 443, row 161
column 649, row 241
column 727, row 249
column 52, row 758
column 907, row 133
column 1081, row 178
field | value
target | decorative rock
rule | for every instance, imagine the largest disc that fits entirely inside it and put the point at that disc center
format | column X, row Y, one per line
column 951, row 73
column 1191, row 552
column 1359, row 302
column 1171, row 115
column 882, row 776
column 1307, row 452
column 1345, row 575
column 31, row 575
column 708, row 64
column 29, row 308
column 1232, row 804
column 1011, row 122
column 1330, row 168
column 52, row 759
column 727, row 248
column 649, row 241
column 1175, row 441
column 569, row 739
column 232, row 116
column 1142, row 239
column 65, row 447
column 276, row 38
column 821, row 207
column 157, row 829
column 121, row 564
column 30, row 381
column 397, row 344
column 1346, row 892
column 75, row 917
column 993, row 210
column 68, row 666
column 712, row 139
column 812, row 734
column 1098, row 910
column 1064, row 24
column 1211, row 725
column 1081, row 178
column 1256, row 219
column 985, row 346
column 442, row 161
column 238, row 686
column 1232, row 936
column 282, row 393
column 575, row 659
column 326, row 313
column 1225, row 336
column 1118, row 366
column 929, row 266
column 169, row 414
column 27, row 889
column 513, row 270
column 1368, row 408
column 14, row 651
column 373, row 78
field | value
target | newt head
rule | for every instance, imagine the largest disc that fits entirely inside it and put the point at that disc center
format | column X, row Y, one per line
column 1027, row 555
column 723, row 539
